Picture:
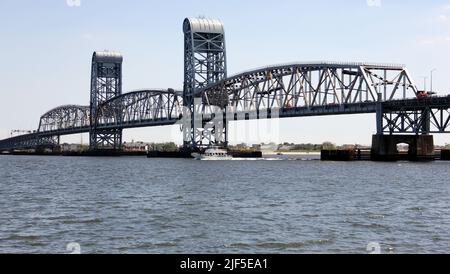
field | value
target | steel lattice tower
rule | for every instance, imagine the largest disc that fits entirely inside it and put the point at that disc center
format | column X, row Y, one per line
column 204, row 64
column 106, row 83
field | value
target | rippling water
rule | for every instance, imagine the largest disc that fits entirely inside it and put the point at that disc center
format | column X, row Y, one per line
column 139, row 205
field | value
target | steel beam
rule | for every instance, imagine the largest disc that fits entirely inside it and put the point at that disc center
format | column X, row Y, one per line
column 204, row 65
column 106, row 83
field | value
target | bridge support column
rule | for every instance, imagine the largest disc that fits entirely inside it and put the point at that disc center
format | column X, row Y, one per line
column 384, row 147
column 106, row 83
column 204, row 64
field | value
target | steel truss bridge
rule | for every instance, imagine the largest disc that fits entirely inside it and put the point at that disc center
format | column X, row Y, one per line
column 210, row 98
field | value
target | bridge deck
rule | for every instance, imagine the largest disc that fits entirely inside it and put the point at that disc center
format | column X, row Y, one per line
column 332, row 109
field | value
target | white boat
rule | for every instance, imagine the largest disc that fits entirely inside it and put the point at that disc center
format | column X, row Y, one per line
column 213, row 154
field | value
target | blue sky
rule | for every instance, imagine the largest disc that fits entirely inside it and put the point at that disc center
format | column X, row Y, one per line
column 47, row 45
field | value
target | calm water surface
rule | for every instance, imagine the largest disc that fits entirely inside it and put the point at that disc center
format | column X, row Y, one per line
column 139, row 205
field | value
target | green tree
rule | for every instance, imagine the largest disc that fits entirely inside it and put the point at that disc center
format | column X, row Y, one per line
column 169, row 147
column 328, row 146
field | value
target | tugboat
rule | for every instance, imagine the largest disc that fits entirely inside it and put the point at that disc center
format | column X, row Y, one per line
column 213, row 154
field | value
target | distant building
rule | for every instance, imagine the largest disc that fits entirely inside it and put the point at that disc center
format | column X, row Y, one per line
column 348, row 147
column 256, row 147
column 286, row 147
column 73, row 147
column 136, row 146
column 269, row 147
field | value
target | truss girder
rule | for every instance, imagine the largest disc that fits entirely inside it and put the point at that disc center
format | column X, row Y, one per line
column 140, row 108
column 29, row 141
column 310, row 85
column 290, row 91
column 69, row 117
column 416, row 116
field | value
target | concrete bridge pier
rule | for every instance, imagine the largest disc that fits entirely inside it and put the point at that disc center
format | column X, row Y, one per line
column 384, row 147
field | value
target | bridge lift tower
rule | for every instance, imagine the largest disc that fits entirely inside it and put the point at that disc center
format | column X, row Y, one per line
column 204, row 64
column 106, row 83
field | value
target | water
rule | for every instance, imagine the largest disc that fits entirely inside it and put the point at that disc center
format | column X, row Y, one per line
column 139, row 205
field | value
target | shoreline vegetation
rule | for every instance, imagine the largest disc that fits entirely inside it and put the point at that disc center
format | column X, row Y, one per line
column 270, row 148
column 143, row 149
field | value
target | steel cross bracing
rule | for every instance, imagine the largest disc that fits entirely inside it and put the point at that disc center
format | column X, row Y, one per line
column 106, row 83
column 210, row 99
column 310, row 85
column 70, row 117
column 135, row 109
column 416, row 116
column 140, row 109
column 148, row 107
column 204, row 64
column 258, row 95
column 30, row 141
